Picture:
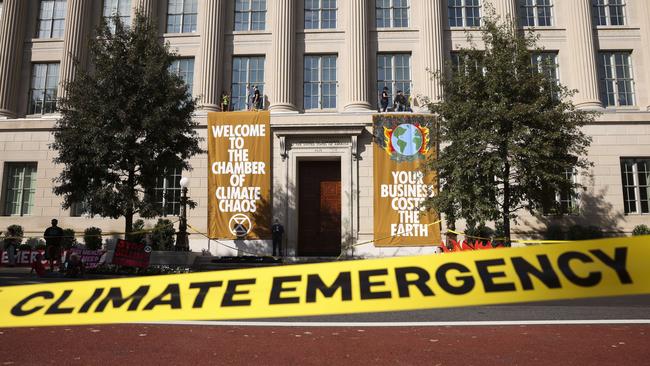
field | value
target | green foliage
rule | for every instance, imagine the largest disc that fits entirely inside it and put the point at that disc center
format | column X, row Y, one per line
column 123, row 124
column 508, row 132
column 138, row 234
column 480, row 231
column 579, row 232
column 32, row 243
column 162, row 235
column 68, row 239
column 641, row 230
column 93, row 238
column 13, row 236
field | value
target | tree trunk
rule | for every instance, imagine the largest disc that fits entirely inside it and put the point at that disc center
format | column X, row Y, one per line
column 506, row 201
column 128, row 214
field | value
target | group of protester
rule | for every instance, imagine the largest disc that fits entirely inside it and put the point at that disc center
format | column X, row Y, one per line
column 255, row 100
column 400, row 103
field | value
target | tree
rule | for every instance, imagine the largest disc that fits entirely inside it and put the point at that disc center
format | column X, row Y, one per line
column 508, row 131
column 124, row 124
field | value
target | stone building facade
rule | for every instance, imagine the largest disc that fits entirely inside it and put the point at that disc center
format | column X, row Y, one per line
column 321, row 65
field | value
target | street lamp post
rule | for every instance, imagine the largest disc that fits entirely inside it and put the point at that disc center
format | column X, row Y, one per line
column 182, row 242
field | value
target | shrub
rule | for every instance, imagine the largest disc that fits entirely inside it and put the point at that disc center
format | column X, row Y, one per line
column 162, row 235
column 579, row 232
column 32, row 243
column 641, row 230
column 14, row 235
column 93, row 238
column 554, row 232
column 138, row 227
column 68, row 239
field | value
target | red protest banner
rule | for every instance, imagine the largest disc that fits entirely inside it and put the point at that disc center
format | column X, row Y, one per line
column 131, row 254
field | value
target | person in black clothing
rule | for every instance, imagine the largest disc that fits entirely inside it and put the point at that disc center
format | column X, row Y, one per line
column 53, row 238
column 384, row 99
column 277, row 230
column 399, row 104
column 257, row 98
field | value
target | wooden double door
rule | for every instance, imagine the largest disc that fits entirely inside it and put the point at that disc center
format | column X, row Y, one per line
column 319, row 208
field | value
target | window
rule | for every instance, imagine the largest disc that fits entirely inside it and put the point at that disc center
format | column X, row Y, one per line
column 42, row 93
column 247, row 73
column 546, row 62
column 117, row 7
column 20, row 188
column 616, row 80
column 181, row 16
column 464, row 13
column 184, row 68
column 536, row 13
column 609, row 12
column 568, row 199
column 320, row 82
column 51, row 19
column 168, row 192
column 320, row 14
column 392, row 13
column 394, row 72
column 635, row 173
column 250, row 15
column 80, row 209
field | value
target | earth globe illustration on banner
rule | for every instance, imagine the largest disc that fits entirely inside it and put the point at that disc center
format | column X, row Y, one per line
column 407, row 139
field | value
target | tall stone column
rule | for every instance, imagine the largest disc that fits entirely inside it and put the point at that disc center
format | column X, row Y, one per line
column 211, row 53
column 357, row 37
column 433, row 46
column 283, row 43
column 75, row 41
column 146, row 7
column 645, row 36
column 12, row 33
column 583, row 57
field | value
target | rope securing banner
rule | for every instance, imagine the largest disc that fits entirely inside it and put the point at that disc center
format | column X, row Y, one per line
column 594, row 268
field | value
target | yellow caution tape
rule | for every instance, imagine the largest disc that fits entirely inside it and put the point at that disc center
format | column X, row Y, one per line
column 607, row 267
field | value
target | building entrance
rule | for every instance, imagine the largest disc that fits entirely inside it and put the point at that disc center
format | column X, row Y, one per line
column 319, row 208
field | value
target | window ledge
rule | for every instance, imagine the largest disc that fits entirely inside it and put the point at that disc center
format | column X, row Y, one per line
column 542, row 28
column 180, row 35
column 44, row 115
column 46, row 40
column 632, row 108
column 251, row 32
column 616, row 27
column 322, row 30
column 394, row 29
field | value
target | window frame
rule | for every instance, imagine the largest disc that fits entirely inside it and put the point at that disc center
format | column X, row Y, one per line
column 175, row 67
column 392, row 88
column 320, row 10
column 183, row 14
column 535, row 7
column 607, row 6
column 53, row 19
column 635, row 186
column 391, row 11
column 464, row 17
column 170, row 181
column 250, row 11
column 52, row 102
column 604, row 81
column 320, row 82
column 7, row 186
column 247, row 83
column 125, row 18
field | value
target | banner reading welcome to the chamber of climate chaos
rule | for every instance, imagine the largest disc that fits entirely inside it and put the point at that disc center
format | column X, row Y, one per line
column 239, row 176
column 402, row 145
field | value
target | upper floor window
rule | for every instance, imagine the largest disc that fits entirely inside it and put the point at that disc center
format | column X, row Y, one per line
column 181, row 16
column 635, row 173
column 320, row 82
column 122, row 8
column 168, row 192
column 320, row 14
column 609, row 12
column 536, row 13
column 42, row 91
column 546, row 62
column 184, row 68
column 392, row 13
column 464, row 13
column 616, row 79
column 20, row 188
column 51, row 19
column 247, row 89
column 394, row 74
column 250, row 15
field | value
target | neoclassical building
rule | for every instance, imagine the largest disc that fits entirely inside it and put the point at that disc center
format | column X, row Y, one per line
column 321, row 66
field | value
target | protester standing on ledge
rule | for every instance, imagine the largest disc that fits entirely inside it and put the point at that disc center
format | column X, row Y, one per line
column 384, row 100
column 53, row 238
column 277, row 230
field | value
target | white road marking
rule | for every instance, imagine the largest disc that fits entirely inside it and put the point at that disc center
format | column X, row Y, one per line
column 405, row 324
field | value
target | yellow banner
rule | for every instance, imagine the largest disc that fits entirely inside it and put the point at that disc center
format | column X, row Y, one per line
column 239, row 175
column 606, row 267
column 402, row 145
